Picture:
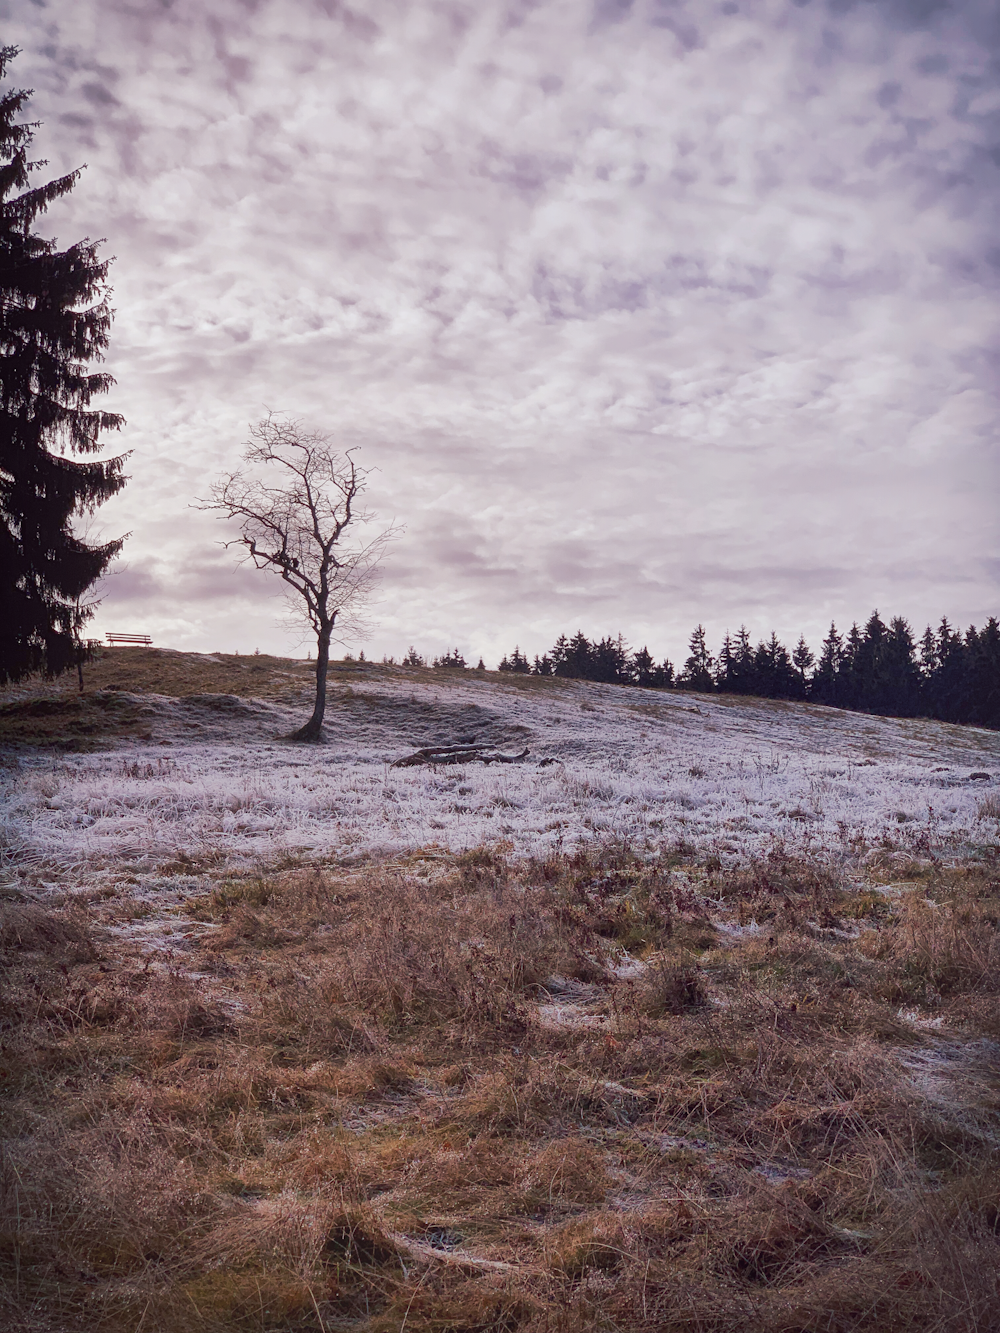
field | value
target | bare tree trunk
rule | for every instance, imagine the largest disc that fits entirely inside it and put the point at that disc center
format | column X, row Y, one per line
column 313, row 729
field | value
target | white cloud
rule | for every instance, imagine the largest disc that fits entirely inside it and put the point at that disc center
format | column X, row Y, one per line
column 647, row 314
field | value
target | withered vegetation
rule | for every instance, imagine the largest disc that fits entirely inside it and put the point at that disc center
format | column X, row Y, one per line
column 55, row 714
column 466, row 1093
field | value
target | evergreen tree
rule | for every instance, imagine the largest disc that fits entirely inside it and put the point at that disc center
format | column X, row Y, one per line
column 743, row 672
column 558, row 655
column 902, row 672
column 575, row 658
column 517, row 662
column 609, row 662
column 928, row 657
column 776, row 677
column 643, row 667
column 948, row 684
column 848, row 683
column 871, row 687
column 520, row 663
column 826, row 678
column 885, row 674
column 725, row 667
column 54, row 320
column 697, row 673
column 803, row 659
column 451, row 659
column 984, row 674
column 645, row 671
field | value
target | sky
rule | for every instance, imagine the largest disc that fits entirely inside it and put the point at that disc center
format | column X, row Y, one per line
column 643, row 313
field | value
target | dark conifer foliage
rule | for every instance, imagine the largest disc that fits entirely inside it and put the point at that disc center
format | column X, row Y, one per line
column 54, row 322
column 803, row 659
column 607, row 660
column 517, row 662
column 878, row 669
column 452, row 659
column 983, row 667
column 698, row 673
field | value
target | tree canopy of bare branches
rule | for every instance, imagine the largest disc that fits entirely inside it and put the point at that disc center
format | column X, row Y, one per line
column 294, row 501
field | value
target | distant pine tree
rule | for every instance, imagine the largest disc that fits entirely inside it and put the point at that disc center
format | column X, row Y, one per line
column 698, row 669
column 984, row 674
column 643, row 667
column 871, row 683
column 776, row 677
column 574, row 658
column 725, row 666
column 54, row 320
column 884, row 674
column 850, row 685
column 949, row 685
column 736, row 672
column 646, row 672
column 803, row 659
column 557, row 655
column 902, row 672
column 450, row 660
column 745, row 671
column 517, row 662
column 928, row 655
column 610, row 662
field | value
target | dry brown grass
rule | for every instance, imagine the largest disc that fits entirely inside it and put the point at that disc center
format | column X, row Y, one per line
column 352, row 1109
column 39, row 712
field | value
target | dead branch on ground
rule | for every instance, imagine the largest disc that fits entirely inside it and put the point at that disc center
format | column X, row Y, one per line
column 459, row 754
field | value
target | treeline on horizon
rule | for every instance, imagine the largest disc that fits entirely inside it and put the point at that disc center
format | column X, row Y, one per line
column 880, row 669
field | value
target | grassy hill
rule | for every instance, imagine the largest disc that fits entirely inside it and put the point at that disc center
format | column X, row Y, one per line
column 689, row 1021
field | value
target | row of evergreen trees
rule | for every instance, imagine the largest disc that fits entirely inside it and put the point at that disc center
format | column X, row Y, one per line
column 607, row 660
column 878, row 669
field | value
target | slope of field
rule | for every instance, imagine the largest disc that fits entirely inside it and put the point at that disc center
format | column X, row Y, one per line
column 690, row 1021
column 196, row 763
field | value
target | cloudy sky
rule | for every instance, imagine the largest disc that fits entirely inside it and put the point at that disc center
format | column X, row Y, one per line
column 647, row 312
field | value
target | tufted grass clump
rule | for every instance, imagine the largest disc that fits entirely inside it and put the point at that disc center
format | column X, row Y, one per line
column 601, row 1090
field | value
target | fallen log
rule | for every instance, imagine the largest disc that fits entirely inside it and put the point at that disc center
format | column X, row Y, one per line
column 458, row 754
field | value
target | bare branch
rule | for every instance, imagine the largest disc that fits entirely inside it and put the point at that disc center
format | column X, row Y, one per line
column 294, row 500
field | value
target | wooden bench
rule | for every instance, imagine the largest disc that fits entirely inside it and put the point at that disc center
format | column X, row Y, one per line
column 131, row 640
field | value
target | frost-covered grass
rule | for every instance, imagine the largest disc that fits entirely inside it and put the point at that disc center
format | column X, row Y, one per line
column 699, row 1033
column 720, row 776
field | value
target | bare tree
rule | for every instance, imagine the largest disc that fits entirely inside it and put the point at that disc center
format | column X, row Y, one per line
column 293, row 522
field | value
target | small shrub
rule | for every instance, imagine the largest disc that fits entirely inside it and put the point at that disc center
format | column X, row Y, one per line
column 672, row 989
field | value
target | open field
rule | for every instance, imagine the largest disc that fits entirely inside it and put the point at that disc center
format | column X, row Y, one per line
column 693, row 1026
column 201, row 768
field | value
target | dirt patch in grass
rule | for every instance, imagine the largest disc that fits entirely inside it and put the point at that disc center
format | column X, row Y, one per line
column 770, row 1101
